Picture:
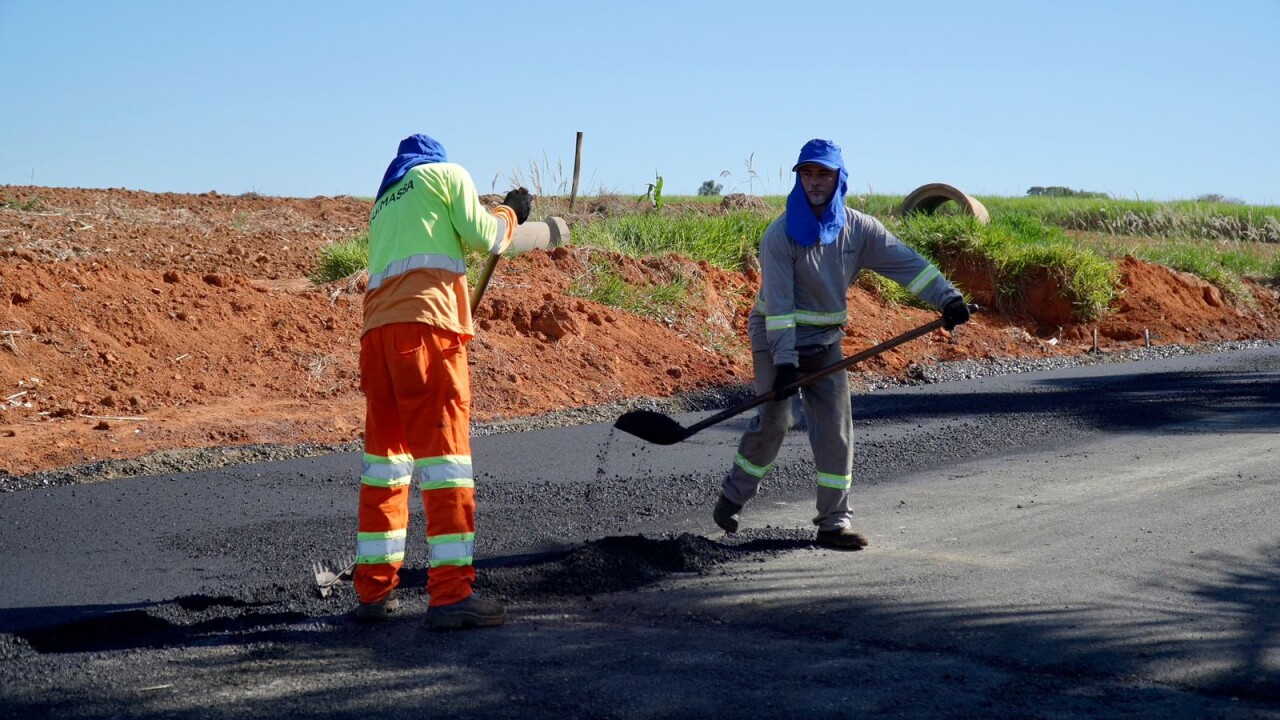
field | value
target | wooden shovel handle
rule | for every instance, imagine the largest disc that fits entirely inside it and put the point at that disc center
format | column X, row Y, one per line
column 483, row 282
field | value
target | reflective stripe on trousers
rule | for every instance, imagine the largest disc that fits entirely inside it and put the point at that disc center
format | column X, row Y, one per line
column 417, row 431
column 829, row 417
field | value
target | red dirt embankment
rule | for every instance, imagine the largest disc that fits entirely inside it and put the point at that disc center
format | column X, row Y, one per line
column 136, row 322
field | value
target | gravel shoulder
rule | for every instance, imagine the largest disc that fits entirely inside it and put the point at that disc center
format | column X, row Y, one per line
column 714, row 399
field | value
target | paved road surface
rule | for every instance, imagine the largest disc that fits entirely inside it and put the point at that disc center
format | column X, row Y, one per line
column 1098, row 542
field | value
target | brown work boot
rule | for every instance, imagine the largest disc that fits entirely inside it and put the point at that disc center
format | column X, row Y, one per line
column 377, row 612
column 841, row 538
column 726, row 514
column 472, row 612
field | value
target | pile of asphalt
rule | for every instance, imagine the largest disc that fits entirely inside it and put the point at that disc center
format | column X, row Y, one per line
column 273, row 612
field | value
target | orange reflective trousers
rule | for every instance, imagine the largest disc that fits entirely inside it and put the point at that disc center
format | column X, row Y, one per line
column 417, row 431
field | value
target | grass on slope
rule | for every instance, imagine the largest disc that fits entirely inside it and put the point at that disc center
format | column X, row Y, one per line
column 1075, row 240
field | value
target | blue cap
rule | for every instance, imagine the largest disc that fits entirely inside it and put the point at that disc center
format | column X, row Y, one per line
column 820, row 152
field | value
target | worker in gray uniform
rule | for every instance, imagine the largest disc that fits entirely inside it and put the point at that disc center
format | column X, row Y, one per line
column 809, row 257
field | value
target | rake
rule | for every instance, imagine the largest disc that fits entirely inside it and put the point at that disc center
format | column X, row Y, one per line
column 330, row 572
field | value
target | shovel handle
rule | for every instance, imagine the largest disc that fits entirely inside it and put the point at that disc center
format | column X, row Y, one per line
column 483, row 282
column 817, row 375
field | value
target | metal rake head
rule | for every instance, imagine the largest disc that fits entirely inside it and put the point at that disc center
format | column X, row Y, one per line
column 329, row 572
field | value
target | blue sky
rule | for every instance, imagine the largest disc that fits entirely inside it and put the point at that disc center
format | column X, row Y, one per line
column 1155, row 100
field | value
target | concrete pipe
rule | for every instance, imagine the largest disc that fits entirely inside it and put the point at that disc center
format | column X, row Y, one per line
column 532, row 235
column 540, row 235
column 928, row 198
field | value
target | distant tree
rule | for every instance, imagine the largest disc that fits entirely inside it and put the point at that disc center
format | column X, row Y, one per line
column 1059, row 191
column 1219, row 198
column 710, row 187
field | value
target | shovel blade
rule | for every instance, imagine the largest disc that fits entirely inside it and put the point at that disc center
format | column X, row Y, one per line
column 652, row 427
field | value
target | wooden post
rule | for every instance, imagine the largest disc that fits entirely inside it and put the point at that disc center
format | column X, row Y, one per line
column 577, row 168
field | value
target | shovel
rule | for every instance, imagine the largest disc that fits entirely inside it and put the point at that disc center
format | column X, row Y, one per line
column 663, row 430
column 483, row 281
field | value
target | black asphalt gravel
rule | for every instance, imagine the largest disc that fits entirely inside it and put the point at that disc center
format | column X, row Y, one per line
column 189, row 594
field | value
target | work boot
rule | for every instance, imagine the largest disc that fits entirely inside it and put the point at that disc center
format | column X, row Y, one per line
column 377, row 612
column 841, row 538
column 472, row 612
column 726, row 514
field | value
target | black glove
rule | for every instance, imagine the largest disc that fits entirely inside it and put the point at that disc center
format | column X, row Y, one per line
column 787, row 374
column 521, row 202
column 954, row 313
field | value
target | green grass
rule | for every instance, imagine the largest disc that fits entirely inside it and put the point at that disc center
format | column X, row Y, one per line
column 879, row 206
column 35, row 204
column 1074, row 240
column 1202, row 260
column 1079, row 240
column 1182, row 219
column 725, row 241
column 342, row 259
column 1020, row 249
column 602, row 283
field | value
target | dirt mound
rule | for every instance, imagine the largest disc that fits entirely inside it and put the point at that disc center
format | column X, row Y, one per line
column 136, row 322
column 740, row 201
column 1185, row 308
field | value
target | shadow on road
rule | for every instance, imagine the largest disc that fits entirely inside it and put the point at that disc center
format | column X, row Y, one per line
column 667, row 648
column 608, row 565
column 1118, row 402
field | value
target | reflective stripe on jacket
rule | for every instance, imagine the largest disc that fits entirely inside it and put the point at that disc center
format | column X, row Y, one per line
column 804, row 289
column 419, row 232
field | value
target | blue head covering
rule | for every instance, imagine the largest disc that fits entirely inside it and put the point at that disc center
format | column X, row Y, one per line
column 802, row 227
column 414, row 150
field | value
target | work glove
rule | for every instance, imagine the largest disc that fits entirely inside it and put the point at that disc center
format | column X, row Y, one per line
column 787, row 374
column 520, row 201
column 954, row 313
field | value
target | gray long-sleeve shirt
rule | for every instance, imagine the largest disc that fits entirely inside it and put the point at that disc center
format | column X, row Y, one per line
column 803, row 289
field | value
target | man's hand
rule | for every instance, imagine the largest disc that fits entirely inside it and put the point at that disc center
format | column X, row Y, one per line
column 521, row 202
column 954, row 313
column 787, row 374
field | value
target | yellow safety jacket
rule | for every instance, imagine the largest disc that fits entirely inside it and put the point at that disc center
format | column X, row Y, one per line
column 419, row 232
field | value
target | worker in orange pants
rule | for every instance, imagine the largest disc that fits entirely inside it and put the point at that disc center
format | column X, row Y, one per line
column 418, row 400
column 413, row 370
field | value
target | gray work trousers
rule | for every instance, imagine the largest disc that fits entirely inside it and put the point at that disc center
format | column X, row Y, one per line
column 829, row 418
